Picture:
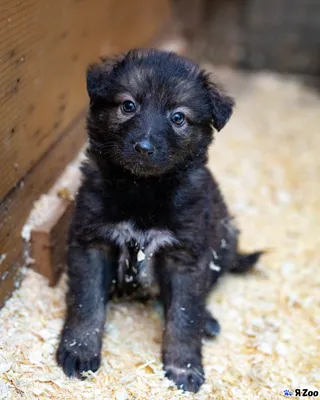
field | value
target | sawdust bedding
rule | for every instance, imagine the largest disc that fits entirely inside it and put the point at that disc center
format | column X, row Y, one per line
column 267, row 161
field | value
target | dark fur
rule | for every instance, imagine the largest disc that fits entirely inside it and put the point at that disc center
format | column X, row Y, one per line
column 167, row 204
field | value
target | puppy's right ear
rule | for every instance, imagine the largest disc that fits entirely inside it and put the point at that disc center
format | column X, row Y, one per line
column 97, row 76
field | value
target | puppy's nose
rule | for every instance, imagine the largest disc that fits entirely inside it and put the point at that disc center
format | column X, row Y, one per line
column 144, row 148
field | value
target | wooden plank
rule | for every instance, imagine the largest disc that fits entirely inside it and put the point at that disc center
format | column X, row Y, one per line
column 45, row 47
column 16, row 207
column 48, row 242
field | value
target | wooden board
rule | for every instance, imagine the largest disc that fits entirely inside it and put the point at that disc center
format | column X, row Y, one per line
column 45, row 47
column 48, row 243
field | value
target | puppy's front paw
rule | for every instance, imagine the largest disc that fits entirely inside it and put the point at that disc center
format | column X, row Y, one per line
column 188, row 379
column 76, row 355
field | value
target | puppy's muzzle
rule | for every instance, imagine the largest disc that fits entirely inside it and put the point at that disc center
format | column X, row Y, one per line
column 144, row 148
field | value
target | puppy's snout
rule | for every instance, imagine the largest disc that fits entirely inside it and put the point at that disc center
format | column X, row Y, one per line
column 144, row 148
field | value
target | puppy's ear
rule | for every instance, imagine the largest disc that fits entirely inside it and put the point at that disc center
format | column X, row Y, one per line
column 95, row 81
column 97, row 76
column 222, row 106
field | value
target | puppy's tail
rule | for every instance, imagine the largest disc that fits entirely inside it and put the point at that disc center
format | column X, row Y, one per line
column 245, row 262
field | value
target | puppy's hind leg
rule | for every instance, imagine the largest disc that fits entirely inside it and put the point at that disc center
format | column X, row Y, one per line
column 91, row 272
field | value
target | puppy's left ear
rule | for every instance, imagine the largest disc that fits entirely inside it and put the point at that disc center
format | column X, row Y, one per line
column 222, row 106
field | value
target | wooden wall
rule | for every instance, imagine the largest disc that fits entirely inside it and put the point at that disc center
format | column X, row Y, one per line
column 281, row 35
column 45, row 47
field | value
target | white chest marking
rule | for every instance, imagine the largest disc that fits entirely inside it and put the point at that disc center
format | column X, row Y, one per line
column 150, row 241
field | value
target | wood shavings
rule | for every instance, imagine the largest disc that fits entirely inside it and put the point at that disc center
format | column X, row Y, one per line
column 141, row 256
column 64, row 193
column 2, row 257
column 121, row 394
column 281, row 349
column 4, row 390
column 4, row 366
column 38, row 391
column 89, row 375
column 26, row 232
column 265, row 348
column 214, row 267
column 287, row 268
column 35, row 356
column 269, row 324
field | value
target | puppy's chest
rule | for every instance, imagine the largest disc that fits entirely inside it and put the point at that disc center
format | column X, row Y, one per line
column 126, row 235
column 137, row 251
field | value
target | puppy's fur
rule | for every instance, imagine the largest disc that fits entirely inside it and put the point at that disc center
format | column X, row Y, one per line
column 151, row 218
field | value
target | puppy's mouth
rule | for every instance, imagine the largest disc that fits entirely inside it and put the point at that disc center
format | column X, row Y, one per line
column 143, row 167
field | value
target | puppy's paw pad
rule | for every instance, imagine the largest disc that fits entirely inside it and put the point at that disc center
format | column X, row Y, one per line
column 76, row 361
column 188, row 379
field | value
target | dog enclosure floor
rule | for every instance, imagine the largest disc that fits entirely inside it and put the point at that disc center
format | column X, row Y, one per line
column 267, row 162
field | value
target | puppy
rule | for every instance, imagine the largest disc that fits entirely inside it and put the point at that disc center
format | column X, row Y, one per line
column 149, row 213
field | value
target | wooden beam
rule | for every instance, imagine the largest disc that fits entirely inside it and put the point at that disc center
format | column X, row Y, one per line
column 48, row 242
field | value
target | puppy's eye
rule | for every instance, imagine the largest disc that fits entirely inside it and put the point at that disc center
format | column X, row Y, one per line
column 178, row 118
column 128, row 106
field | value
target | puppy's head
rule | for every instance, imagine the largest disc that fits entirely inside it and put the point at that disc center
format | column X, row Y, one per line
column 153, row 111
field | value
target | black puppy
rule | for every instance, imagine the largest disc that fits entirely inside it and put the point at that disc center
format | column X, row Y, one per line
column 148, row 211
